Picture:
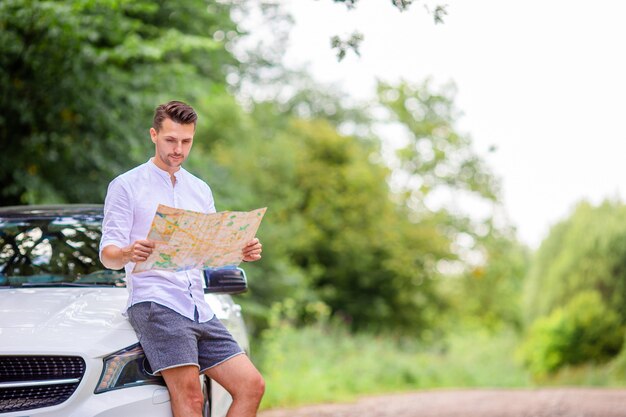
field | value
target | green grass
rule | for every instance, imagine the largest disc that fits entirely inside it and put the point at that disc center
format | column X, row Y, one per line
column 328, row 364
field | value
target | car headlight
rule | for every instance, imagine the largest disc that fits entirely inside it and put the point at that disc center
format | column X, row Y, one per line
column 126, row 368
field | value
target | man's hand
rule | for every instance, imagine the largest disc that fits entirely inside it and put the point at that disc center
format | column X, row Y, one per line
column 252, row 250
column 115, row 258
column 138, row 251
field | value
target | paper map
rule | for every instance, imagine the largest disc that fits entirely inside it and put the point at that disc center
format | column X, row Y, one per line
column 187, row 239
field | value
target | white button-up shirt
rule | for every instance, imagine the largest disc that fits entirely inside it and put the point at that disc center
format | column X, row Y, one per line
column 129, row 207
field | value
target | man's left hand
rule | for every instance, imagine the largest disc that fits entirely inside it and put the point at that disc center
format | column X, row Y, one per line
column 252, row 250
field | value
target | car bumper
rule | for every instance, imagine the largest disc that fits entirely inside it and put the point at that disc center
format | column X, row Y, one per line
column 148, row 401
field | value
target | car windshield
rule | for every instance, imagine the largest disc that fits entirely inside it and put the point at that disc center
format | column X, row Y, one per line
column 58, row 251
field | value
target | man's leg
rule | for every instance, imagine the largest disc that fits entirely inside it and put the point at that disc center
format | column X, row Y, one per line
column 183, row 384
column 244, row 383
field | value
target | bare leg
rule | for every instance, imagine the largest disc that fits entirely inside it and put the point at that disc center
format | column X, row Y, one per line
column 183, row 385
column 244, row 383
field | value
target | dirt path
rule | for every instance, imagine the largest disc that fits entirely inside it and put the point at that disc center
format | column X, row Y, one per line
column 560, row 402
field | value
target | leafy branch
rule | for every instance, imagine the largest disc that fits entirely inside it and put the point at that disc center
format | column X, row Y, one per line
column 353, row 41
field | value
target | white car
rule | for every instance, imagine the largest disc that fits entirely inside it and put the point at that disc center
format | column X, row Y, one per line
column 66, row 350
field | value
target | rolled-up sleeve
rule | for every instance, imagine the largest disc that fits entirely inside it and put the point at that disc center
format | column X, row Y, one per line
column 118, row 216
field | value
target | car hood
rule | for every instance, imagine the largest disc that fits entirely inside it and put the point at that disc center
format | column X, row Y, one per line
column 64, row 320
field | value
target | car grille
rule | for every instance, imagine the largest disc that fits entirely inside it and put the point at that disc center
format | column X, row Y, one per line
column 28, row 382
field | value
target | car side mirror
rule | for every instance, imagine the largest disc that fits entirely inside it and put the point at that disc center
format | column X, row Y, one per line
column 225, row 281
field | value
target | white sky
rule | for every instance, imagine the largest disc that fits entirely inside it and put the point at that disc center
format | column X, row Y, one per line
column 542, row 80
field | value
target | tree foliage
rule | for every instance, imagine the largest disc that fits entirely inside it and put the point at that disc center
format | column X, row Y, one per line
column 489, row 294
column 575, row 294
column 436, row 156
column 587, row 251
column 584, row 329
column 331, row 233
column 79, row 80
column 335, row 231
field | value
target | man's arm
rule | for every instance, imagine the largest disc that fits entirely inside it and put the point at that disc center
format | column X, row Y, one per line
column 116, row 250
column 114, row 257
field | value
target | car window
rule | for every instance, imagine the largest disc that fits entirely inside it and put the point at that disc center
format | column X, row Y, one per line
column 53, row 252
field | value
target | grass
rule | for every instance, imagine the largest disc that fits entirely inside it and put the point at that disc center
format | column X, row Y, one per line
column 323, row 363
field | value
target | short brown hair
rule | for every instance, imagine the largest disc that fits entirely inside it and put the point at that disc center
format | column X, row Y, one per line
column 178, row 111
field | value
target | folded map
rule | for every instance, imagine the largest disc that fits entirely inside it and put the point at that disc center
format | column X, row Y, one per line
column 187, row 239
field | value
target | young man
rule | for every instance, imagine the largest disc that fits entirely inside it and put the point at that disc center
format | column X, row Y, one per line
column 176, row 327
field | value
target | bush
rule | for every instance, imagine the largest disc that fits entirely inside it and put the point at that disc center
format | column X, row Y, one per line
column 584, row 330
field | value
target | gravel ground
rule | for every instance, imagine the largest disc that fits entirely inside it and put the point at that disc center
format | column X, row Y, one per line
column 558, row 402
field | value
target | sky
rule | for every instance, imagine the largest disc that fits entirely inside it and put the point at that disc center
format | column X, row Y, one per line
column 542, row 81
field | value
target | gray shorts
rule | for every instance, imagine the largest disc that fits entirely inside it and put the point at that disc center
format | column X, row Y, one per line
column 170, row 339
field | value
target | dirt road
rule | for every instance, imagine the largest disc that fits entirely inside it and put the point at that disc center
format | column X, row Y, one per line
column 561, row 402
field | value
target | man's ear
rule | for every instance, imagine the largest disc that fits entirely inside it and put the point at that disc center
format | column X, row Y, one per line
column 153, row 135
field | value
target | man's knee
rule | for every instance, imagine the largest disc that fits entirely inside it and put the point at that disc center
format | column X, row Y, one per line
column 187, row 398
column 194, row 398
column 186, row 391
column 259, row 386
column 252, row 387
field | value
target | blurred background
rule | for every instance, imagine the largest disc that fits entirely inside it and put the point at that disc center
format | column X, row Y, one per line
column 443, row 181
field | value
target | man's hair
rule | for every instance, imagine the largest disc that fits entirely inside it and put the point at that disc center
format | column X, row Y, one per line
column 178, row 111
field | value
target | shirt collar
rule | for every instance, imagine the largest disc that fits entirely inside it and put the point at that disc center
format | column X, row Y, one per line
column 164, row 174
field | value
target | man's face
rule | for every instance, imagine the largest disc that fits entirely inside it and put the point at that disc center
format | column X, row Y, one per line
column 173, row 143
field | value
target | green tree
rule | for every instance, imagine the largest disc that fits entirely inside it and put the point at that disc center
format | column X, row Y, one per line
column 334, row 231
column 587, row 251
column 80, row 79
column 436, row 156
column 489, row 294
column 366, row 260
column 436, row 171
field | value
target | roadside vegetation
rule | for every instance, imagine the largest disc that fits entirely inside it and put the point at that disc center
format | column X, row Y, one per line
column 328, row 363
column 375, row 276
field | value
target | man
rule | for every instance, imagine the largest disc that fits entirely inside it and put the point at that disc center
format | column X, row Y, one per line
column 176, row 327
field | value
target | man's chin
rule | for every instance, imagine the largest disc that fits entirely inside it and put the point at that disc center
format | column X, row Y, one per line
column 176, row 162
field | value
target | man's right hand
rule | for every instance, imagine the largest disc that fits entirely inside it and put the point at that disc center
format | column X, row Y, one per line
column 138, row 251
column 114, row 257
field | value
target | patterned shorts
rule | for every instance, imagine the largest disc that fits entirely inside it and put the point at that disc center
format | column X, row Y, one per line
column 170, row 339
